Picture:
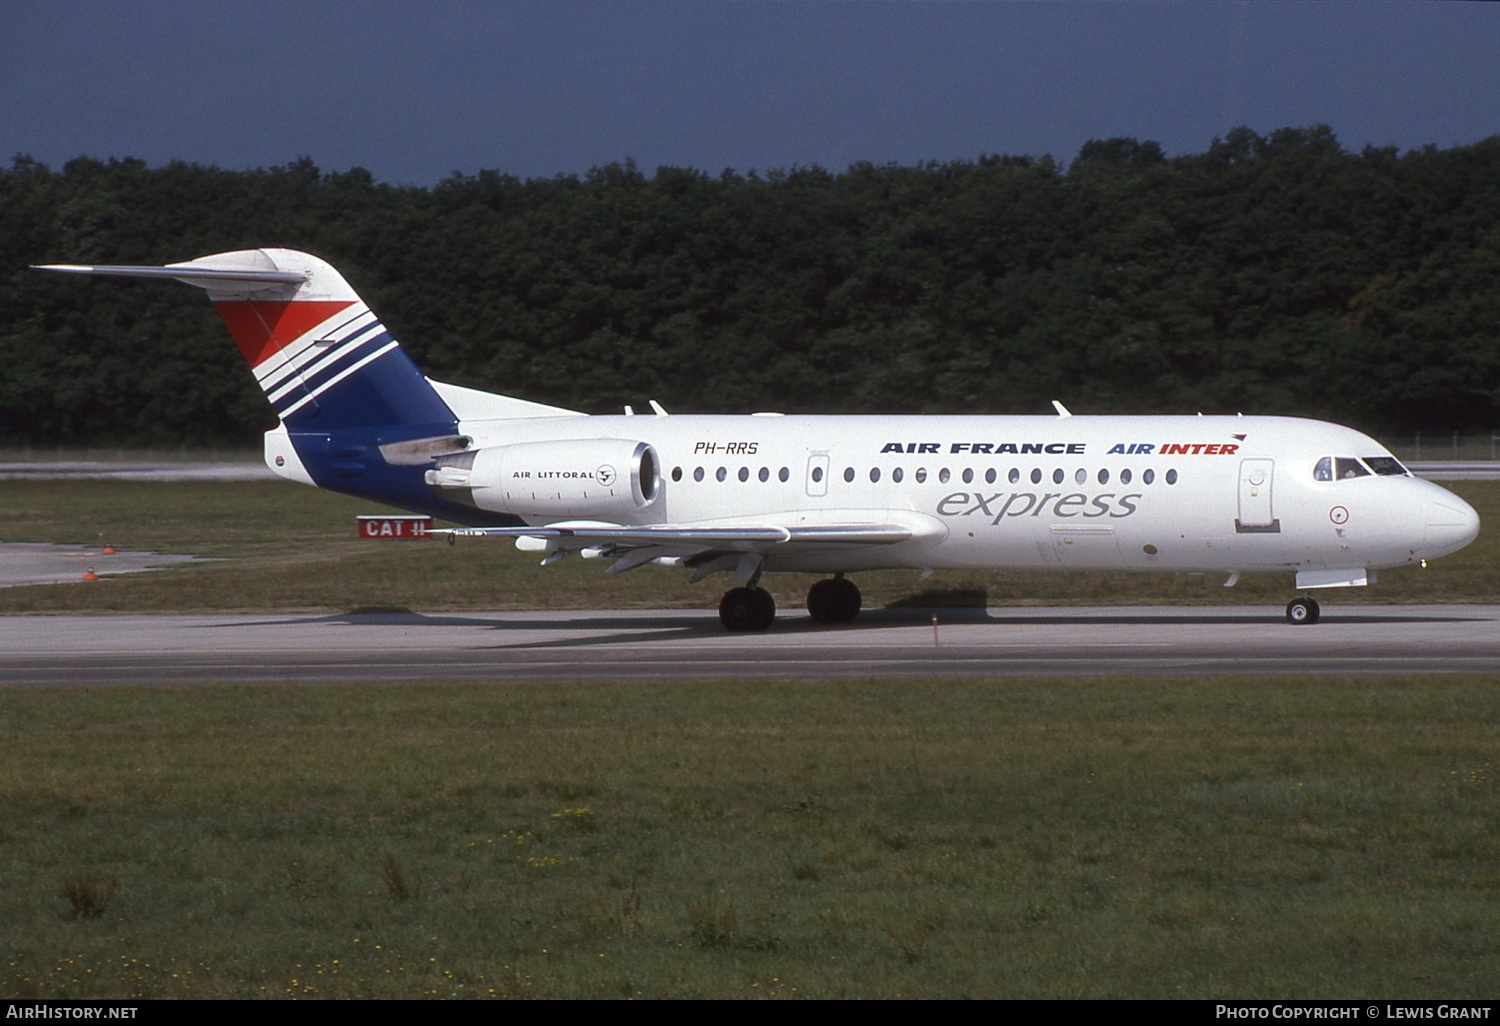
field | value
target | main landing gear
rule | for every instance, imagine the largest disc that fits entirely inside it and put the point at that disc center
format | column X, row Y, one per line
column 1302, row 610
column 835, row 600
column 747, row 609
column 751, row 608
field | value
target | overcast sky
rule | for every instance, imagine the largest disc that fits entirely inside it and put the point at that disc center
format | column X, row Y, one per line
column 415, row 91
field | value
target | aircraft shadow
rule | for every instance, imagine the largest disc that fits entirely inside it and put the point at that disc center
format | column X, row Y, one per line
column 680, row 625
column 562, row 619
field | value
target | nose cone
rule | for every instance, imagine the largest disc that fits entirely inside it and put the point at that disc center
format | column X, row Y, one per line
column 1451, row 524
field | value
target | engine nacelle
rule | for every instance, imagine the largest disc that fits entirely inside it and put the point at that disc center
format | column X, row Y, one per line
column 586, row 478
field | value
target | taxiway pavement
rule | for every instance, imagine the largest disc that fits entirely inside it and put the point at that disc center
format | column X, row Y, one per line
column 559, row 645
column 24, row 563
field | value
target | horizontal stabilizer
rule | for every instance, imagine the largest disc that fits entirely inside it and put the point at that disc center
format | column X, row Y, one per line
column 221, row 279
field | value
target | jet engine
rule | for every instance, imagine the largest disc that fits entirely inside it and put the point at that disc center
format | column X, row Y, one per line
column 586, row 478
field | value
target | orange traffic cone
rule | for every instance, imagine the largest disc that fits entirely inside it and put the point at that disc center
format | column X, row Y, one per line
column 89, row 575
column 105, row 547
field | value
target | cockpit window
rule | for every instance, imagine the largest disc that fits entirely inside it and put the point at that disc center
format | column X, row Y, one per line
column 1344, row 468
column 1386, row 466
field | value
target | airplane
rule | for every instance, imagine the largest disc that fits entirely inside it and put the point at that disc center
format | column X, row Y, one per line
column 767, row 492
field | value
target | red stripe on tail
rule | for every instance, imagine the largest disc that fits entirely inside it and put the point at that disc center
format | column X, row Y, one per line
column 262, row 328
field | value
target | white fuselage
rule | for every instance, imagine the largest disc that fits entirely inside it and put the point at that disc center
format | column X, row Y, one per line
column 1100, row 493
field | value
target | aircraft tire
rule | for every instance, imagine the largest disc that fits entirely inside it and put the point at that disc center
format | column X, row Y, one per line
column 747, row 609
column 835, row 600
column 1302, row 611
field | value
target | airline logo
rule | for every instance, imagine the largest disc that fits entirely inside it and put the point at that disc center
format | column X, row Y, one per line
column 1002, row 506
column 1175, row 448
column 300, row 349
column 605, row 475
column 987, row 448
column 1064, row 448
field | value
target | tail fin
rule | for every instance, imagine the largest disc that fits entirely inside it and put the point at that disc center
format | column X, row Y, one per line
column 356, row 415
column 324, row 361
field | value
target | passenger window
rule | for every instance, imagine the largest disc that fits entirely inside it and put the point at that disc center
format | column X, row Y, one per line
column 849, row 475
column 783, row 474
column 1324, row 470
column 1347, row 468
column 921, row 475
column 697, row 473
column 1104, row 477
column 1171, row 477
column 989, row 476
column 1125, row 476
column 1081, row 476
column 1147, row 476
column 1014, row 476
column 1036, row 476
column 968, row 475
column 943, row 475
column 897, row 475
column 744, row 473
column 1057, row 476
column 765, row 473
column 817, row 474
column 721, row 474
column 676, row 473
column 874, row 474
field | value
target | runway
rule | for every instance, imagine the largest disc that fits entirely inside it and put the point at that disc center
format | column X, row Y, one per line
column 563, row 645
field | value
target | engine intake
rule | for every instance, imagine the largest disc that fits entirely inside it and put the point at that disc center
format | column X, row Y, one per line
column 594, row 478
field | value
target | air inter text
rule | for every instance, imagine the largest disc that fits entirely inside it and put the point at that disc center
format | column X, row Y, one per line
column 1174, row 449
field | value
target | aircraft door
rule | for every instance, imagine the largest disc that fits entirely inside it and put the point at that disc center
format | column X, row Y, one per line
column 817, row 475
column 1257, row 515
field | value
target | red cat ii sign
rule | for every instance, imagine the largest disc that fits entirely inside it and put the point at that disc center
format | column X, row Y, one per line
column 392, row 528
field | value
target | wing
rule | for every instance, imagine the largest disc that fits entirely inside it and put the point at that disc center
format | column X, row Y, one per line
column 705, row 549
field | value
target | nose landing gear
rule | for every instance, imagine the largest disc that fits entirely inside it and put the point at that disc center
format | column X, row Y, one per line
column 1302, row 610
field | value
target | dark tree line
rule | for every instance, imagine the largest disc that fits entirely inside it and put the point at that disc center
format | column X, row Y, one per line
column 1269, row 274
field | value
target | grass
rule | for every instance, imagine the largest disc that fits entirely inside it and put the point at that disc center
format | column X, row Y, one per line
column 285, row 547
column 1194, row 837
column 1202, row 838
